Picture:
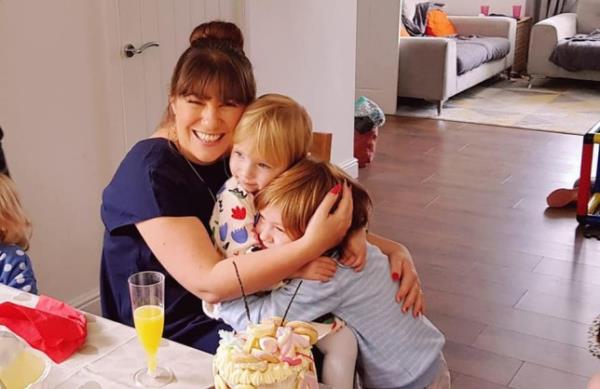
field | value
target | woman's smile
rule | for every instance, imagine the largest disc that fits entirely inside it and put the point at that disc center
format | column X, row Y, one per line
column 204, row 126
column 207, row 138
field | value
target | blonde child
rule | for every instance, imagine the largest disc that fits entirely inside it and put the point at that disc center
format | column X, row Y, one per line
column 274, row 133
column 15, row 231
column 395, row 349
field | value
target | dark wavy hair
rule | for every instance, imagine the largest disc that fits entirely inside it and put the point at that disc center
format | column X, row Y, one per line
column 214, row 59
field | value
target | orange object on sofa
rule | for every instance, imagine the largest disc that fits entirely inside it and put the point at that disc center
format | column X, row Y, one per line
column 438, row 24
column 403, row 32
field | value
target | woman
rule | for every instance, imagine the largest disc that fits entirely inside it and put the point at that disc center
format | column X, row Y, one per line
column 157, row 207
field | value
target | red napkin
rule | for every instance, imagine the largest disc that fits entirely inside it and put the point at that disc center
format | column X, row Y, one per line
column 52, row 327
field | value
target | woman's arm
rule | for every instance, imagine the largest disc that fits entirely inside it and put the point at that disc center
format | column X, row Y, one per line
column 403, row 269
column 182, row 245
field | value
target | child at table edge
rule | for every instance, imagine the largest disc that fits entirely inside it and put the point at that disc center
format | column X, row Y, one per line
column 16, row 269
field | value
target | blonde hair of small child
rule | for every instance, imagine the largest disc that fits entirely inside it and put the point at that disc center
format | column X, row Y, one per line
column 278, row 127
column 298, row 191
column 15, row 227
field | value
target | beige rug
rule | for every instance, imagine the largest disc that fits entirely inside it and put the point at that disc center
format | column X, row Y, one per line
column 556, row 105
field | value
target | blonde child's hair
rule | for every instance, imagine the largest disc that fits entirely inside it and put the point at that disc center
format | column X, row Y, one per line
column 15, row 227
column 298, row 191
column 279, row 128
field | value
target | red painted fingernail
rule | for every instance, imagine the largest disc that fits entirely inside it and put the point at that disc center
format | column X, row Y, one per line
column 336, row 189
column 395, row 276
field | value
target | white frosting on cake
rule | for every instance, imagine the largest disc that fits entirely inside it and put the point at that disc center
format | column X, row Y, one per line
column 266, row 356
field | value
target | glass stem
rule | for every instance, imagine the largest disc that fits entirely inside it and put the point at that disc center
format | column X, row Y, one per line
column 152, row 362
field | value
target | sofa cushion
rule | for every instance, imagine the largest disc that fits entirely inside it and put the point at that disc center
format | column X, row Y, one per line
column 438, row 24
column 578, row 53
column 417, row 25
column 474, row 51
column 588, row 16
column 409, row 8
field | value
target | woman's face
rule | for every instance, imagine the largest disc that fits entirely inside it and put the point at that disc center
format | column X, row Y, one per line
column 204, row 126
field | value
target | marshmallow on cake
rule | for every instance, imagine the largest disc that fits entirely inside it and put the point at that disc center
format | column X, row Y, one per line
column 269, row 355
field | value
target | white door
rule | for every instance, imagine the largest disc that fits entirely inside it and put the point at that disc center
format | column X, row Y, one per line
column 377, row 52
column 71, row 106
column 146, row 76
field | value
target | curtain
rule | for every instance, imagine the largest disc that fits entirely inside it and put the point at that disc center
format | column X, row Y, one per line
column 548, row 8
column 570, row 6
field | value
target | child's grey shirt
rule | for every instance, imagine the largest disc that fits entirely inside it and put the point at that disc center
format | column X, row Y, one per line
column 395, row 349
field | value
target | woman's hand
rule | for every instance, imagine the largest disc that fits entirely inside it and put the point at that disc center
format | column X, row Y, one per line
column 403, row 270
column 325, row 228
column 354, row 252
column 321, row 269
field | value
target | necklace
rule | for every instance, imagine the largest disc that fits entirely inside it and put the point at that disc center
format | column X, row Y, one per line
column 175, row 143
column 200, row 178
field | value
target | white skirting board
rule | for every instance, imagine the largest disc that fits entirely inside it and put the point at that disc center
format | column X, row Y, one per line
column 350, row 166
column 88, row 302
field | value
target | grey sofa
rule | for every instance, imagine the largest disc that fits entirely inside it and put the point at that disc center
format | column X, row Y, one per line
column 546, row 34
column 427, row 65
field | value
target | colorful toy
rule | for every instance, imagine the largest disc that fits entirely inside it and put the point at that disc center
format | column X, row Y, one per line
column 588, row 198
column 368, row 117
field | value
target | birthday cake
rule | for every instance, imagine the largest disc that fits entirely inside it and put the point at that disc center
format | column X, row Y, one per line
column 269, row 355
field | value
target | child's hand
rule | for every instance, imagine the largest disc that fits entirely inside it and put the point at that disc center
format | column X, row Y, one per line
column 403, row 270
column 320, row 269
column 354, row 252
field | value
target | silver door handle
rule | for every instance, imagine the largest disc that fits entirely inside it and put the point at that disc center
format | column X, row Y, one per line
column 130, row 49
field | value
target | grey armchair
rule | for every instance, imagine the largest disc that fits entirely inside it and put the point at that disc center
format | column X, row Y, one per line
column 546, row 34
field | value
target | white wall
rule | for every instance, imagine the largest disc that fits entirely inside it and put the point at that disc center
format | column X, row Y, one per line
column 471, row 7
column 307, row 50
column 377, row 52
column 62, row 138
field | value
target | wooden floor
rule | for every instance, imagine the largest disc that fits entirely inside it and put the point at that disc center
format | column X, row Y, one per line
column 511, row 284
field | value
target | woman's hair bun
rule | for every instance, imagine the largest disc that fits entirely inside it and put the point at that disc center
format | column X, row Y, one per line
column 220, row 31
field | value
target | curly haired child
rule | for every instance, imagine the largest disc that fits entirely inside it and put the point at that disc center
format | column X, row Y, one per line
column 15, row 230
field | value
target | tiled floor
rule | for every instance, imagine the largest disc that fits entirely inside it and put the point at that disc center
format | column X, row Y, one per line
column 511, row 284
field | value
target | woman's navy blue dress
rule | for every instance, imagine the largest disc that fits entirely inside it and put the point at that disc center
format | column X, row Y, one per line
column 154, row 180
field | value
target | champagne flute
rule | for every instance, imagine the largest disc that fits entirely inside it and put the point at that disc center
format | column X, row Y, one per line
column 147, row 292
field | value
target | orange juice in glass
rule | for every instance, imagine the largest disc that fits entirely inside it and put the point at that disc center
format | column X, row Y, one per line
column 149, row 322
column 147, row 291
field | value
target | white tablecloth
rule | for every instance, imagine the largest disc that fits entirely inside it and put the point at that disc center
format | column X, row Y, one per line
column 112, row 354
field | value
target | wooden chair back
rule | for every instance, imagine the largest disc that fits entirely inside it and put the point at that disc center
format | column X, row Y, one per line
column 321, row 146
